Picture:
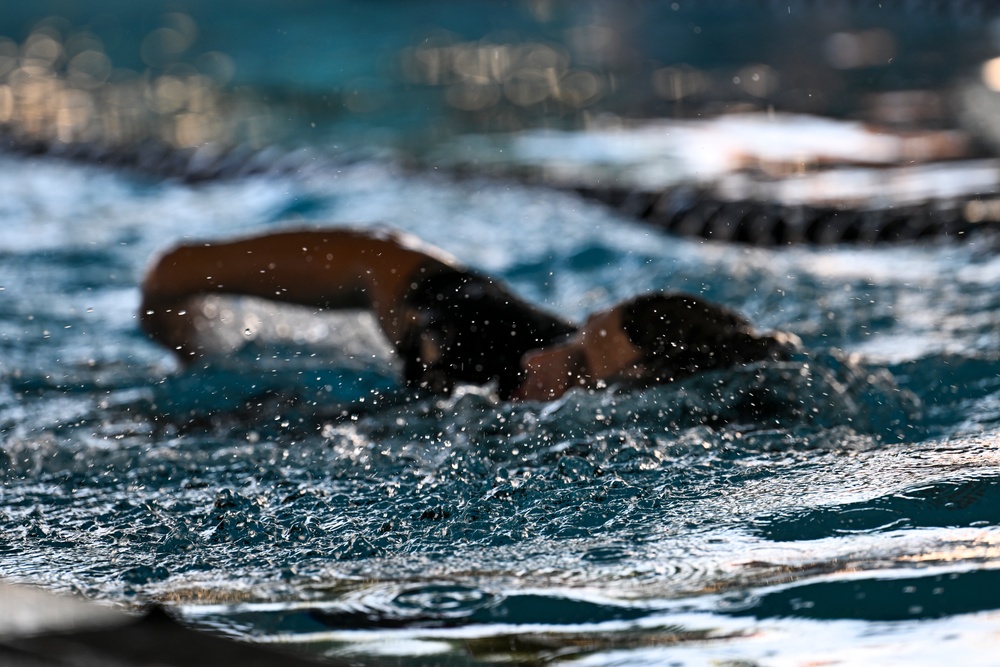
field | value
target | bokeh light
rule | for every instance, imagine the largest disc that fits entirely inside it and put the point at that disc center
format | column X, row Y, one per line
column 855, row 50
column 185, row 79
column 64, row 89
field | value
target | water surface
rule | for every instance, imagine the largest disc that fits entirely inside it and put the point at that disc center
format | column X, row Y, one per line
column 290, row 492
column 841, row 506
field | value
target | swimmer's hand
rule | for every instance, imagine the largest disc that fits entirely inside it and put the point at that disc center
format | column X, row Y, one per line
column 549, row 373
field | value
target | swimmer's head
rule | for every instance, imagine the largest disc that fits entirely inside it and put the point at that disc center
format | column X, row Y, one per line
column 647, row 340
column 679, row 335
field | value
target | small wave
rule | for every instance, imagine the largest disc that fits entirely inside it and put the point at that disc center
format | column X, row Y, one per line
column 943, row 503
column 873, row 598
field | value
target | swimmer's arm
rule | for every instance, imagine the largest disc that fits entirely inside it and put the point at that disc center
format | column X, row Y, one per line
column 318, row 268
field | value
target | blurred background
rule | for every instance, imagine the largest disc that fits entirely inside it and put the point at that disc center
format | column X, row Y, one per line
column 370, row 76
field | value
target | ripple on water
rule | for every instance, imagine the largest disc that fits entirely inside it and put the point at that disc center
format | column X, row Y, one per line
column 893, row 597
column 303, row 493
column 942, row 503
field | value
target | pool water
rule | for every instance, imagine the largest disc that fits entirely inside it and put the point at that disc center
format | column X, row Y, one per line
column 842, row 507
column 839, row 506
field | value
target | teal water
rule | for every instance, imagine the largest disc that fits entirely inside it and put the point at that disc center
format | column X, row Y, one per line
column 843, row 506
column 289, row 492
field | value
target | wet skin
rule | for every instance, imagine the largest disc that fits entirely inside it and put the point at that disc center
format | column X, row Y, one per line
column 597, row 353
column 344, row 268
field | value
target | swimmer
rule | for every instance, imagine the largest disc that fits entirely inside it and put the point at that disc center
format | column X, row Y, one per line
column 451, row 325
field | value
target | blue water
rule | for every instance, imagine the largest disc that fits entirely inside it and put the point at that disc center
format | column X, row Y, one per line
column 289, row 492
column 843, row 506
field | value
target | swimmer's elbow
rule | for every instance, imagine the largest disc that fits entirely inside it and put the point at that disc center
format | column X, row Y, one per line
column 160, row 275
column 177, row 274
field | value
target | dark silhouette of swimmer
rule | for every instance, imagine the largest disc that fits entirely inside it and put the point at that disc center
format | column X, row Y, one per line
column 449, row 324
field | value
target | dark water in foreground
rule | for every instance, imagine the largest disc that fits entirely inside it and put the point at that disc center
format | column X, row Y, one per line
column 842, row 506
